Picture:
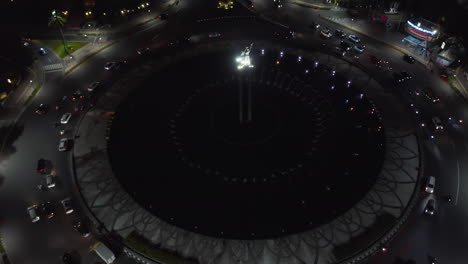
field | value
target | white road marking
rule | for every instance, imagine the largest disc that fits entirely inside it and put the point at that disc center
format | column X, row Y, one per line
column 458, row 182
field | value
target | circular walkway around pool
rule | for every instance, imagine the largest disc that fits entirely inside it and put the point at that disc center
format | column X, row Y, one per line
column 287, row 160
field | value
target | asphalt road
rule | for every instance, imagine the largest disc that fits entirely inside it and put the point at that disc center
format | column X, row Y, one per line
column 442, row 235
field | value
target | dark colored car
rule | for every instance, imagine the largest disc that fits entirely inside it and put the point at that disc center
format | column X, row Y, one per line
column 78, row 94
column 48, row 209
column 340, row 34
column 42, row 109
column 164, row 16
column 431, row 97
column 406, row 75
column 42, row 52
column 81, row 228
column 314, row 26
column 345, row 45
column 401, row 76
column 374, row 59
column 41, row 166
column 408, row 58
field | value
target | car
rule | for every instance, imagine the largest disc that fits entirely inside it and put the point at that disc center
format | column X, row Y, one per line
column 384, row 65
column 250, row 3
column 408, row 58
column 340, row 34
column 428, row 94
column 33, row 212
column 65, row 118
column 397, row 77
column 314, row 26
column 42, row 52
column 430, row 184
column 42, row 166
column 401, row 77
column 143, row 50
column 354, row 38
column 345, row 45
column 50, row 181
column 278, row 3
column 163, row 16
column 374, row 59
column 214, row 35
column 444, row 77
column 430, row 207
column 406, row 75
column 63, row 144
column 437, row 123
column 81, row 228
column 340, row 51
column 42, row 109
column 92, row 86
column 77, row 94
column 288, row 34
column 358, row 48
column 67, row 205
column 111, row 65
column 325, row 33
column 48, row 210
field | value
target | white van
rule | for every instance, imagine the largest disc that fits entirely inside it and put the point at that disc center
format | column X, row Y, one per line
column 104, row 252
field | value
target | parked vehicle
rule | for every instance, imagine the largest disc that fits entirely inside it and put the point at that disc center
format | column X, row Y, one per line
column 104, row 252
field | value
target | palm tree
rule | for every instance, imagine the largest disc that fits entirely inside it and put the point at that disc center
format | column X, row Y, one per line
column 57, row 20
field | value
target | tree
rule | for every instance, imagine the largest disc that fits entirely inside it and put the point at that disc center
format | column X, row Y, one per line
column 58, row 20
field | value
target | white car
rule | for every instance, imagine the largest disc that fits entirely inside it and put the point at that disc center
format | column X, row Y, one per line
column 326, row 33
column 50, row 181
column 67, row 206
column 437, row 123
column 65, row 118
column 430, row 185
column 93, row 86
column 33, row 213
column 214, row 35
column 110, row 65
column 63, row 144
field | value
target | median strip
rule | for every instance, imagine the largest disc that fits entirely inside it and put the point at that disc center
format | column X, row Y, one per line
column 34, row 92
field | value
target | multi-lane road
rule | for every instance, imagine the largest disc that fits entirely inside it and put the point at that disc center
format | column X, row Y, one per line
column 442, row 235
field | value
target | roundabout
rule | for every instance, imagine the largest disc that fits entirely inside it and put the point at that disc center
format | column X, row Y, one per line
column 250, row 154
column 289, row 159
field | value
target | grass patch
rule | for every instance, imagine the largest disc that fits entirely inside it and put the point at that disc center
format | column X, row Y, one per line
column 2, row 249
column 90, row 56
column 35, row 91
column 314, row 6
column 58, row 47
column 144, row 247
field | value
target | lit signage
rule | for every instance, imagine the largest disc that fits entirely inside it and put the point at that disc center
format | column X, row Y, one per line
column 422, row 29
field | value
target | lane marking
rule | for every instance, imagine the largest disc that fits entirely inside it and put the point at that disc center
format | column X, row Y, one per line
column 458, row 182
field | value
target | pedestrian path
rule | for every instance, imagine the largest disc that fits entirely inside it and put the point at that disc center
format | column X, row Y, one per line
column 53, row 67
